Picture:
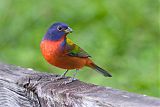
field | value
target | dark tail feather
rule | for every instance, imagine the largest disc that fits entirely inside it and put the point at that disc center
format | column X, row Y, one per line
column 100, row 70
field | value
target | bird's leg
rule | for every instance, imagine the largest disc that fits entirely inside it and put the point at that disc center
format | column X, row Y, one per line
column 73, row 78
column 74, row 75
column 62, row 76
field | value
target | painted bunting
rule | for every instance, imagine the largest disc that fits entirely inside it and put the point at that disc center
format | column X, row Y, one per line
column 61, row 52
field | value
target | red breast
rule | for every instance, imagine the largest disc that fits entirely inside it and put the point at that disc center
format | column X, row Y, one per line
column 52, row 52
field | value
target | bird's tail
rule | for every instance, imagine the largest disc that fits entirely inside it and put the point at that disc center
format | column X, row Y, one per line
column 98, row 69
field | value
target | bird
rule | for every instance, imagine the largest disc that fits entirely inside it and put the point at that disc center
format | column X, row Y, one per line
column 60, row 51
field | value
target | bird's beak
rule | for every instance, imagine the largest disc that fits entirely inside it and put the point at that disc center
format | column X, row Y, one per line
column 68, row 30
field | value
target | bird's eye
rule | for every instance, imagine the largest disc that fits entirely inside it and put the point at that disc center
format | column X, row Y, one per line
column 59, row 28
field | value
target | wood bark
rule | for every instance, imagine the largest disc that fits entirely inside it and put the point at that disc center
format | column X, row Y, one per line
column 20, row 87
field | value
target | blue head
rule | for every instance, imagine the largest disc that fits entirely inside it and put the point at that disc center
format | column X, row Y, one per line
column 57, row 31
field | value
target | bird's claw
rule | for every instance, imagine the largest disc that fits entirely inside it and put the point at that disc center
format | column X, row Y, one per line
column 68, row 81
column 58, row 78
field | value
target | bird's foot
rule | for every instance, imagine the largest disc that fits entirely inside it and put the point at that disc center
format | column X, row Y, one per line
column 58, row 78
column 68, row 81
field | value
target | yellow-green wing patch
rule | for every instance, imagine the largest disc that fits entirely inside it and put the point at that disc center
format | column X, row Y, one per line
column 74, row 50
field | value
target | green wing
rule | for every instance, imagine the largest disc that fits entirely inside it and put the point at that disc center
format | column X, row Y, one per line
column 74, row 50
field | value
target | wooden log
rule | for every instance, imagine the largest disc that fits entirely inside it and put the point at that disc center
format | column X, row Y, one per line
column 20, row 87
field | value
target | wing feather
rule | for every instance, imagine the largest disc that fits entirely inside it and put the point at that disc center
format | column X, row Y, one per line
column 74, row 50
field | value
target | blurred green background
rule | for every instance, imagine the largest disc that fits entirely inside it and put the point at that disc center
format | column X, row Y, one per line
column 120, row 35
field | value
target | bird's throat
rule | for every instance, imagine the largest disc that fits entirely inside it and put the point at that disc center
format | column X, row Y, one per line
column 52, row 37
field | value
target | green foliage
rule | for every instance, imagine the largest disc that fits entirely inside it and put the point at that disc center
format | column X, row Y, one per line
column 120, row 35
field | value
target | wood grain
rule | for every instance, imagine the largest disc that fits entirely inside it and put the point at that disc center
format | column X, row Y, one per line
column 20, row 87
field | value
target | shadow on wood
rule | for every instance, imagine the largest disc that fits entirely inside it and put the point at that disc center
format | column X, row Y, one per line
column 21, row 87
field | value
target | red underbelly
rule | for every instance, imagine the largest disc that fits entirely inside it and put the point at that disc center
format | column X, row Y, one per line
column 56, row 58
column 68, row 62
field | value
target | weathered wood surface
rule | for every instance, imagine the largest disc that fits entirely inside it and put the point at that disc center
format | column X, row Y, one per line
column 21, row 87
